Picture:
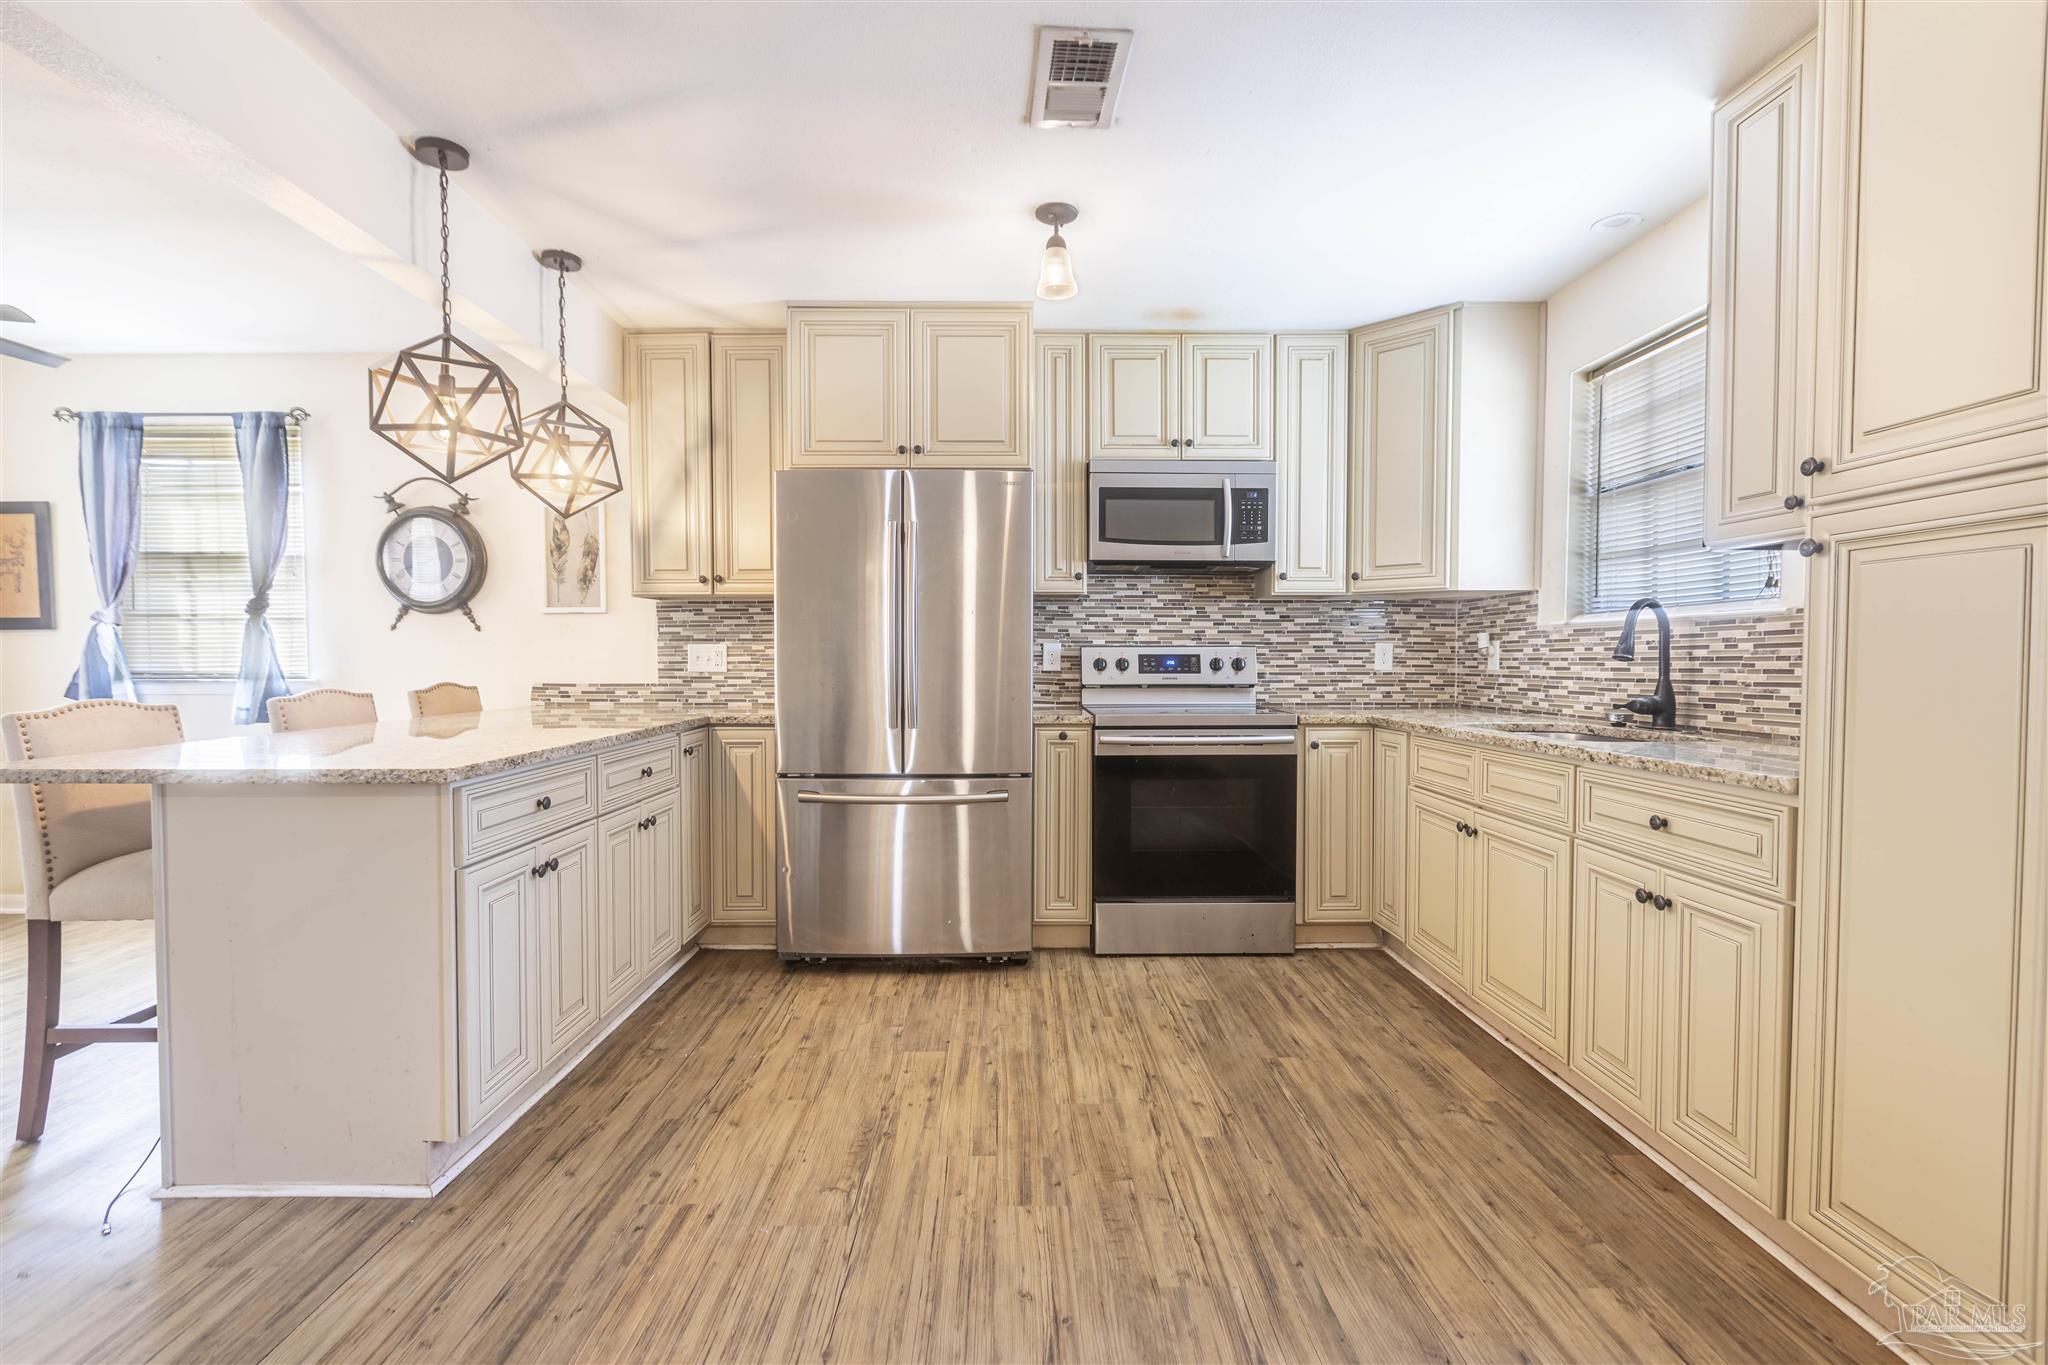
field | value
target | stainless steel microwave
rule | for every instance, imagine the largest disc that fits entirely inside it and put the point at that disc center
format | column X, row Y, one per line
column 1181, row 512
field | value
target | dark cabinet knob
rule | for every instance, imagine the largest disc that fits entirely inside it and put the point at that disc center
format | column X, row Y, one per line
column 917, row 450
column 1808, row 548
column 1794, row 503
column 647, row 772
column 702, row 579
column 544, row 802
column 1315, row 744
column 1283, row 578
column 1063, row 734
column 541, row 871
column 1462, row 827
column 1356, row 575
column 1810, row 466
column 1659, row 822
column 1077, row 575
column 1188, row 444
column 1472, row 831
column 689, row 749
column 554, row 864
column 902, row 450
column 1661, row 902
column 1642, row 895
column 654, row 820
column 718, row 578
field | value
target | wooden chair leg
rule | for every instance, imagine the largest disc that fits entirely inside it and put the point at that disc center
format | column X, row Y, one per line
column 38, row 1054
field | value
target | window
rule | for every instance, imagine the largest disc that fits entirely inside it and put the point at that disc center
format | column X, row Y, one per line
column 1642, row 497
column 188, row 593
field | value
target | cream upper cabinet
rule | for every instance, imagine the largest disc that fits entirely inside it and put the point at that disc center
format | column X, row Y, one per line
column 1444, row 460
column 1918, row 1092
column 1389, row 822
column 749, row 442
column 1134, row 410
column 1312, row 458
column 668, row 377
column 1933, row 296
column 970, row 401
column 1616, row 977
column 1439, row 929
column 1062, row 817
column 1059, row 461
column 742, row 825
column 1520, row 885
column 849, row 390
column 1761, row 282
column 1226, row 397
column 1336, row 797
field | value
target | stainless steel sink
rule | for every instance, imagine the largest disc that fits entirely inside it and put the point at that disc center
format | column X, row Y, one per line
column 1577, row 735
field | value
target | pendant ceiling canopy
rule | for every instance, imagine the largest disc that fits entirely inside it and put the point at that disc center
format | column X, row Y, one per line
column 568, row 460
column 442, row 401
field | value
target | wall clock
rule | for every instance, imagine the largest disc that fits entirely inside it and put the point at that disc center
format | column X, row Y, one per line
column 431, row 559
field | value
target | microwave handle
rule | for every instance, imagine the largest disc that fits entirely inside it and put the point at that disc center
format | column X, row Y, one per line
column 1229, row 516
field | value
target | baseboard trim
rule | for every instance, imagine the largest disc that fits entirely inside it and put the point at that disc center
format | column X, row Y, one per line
column 13, row 902
column 292, row 1192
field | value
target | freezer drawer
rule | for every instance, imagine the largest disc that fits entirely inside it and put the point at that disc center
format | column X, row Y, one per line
column 886, row 867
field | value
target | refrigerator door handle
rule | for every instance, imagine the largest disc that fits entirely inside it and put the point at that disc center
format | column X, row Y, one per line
column 811, row 798
column 908, row 680
column 892, row 592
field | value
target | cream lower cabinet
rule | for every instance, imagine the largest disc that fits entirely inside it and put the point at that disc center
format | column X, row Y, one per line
column 661, row 872
column 1062, row 819
column 1335, row 798
column 693, row 791
column 1389, row 823
column 499, row 943
column 569, row 907
column 620, row 922
column 1059, row 461
column 1312, row 457
column 1920, row 1082
column 1438, row 868
column 742, row 825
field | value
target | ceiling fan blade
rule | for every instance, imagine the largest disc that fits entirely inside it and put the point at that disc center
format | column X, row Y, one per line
column 22, row 352
column 9, row 313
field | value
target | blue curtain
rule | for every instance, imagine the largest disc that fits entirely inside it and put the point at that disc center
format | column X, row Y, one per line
column 110, row 486
column 266, row 495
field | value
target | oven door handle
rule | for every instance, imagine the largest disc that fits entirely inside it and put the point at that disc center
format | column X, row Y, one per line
column 1192, row 743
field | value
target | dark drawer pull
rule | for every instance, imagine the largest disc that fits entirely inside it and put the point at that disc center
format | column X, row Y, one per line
column 1661, row 902
column 1659, row 822
column 647, row 771
column 1642, row 896
column 544, row 803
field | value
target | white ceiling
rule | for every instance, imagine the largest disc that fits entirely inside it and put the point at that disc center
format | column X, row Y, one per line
column 114, row 241
column 1272, row 165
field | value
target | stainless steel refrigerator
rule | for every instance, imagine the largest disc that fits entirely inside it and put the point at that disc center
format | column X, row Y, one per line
column 903, row 712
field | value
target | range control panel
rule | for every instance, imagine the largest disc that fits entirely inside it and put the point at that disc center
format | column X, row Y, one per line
column 1248, row 517
column 1157, row 665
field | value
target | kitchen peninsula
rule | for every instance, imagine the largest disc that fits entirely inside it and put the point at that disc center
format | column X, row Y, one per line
column 377, row 945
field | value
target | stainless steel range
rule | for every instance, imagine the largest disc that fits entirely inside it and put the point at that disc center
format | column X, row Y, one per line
column 1194, row 802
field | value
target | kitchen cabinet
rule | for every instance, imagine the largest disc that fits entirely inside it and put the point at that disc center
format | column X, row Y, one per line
column 1389, row 823
column 1444, row 454
column 1918, row 1092
column 1312, row 455
column 1059, row 461
column 1439, row 931
column 898, row 387
column 708, row 426
column 1165, row 395
column 1520, row 887
column 660, row 872
column 1336, row 793
column 1933, row 289
column 742, row 825
column 568, row 909
column 692, row 788
column 1761, row 281
column 621, row 923
column 1616, row 978
column 500, row 952
column 1063, row 817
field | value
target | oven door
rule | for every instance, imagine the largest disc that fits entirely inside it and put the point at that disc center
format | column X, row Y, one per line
column 1187, row 816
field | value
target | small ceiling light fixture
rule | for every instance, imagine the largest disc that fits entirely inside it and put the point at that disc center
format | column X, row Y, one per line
column 442, row 401
column 1056, row 269
column 1617, row 222
column 568, row 461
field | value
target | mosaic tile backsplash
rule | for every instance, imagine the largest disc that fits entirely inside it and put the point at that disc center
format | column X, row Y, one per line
column 1734, row 674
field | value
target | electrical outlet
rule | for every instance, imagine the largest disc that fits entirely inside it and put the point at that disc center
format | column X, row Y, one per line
column 1485, row 640
column 705, row 658
column 1049, row 656
column 1493, row 657
column 1383, row 657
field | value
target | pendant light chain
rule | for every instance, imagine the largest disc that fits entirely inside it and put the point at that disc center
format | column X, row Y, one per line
column 562, row 324
column 447, row 316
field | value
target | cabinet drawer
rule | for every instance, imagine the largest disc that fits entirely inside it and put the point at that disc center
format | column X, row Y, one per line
column 1728, row 838
column 1529, row 787
column 640, row 771
column 1448, row 768
column 504, row 811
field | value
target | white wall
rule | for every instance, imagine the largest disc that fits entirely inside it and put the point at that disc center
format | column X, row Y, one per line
column 345, row 466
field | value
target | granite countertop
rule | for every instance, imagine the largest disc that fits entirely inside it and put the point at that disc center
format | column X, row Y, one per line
column 1760, row 764
column 1060, row 715
column 433, row 750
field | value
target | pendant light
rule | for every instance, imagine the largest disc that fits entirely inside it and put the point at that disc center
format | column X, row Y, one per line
column 567, row 461
column 442, row 401
column 1056, row 269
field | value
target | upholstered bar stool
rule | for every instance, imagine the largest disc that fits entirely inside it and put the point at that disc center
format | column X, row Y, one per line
column 321, row 709
column 446, row 699
column 85, row 854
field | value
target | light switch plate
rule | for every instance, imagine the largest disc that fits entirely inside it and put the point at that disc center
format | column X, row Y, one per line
column 1049, row 656
column 1383, row 657
column 705, row 658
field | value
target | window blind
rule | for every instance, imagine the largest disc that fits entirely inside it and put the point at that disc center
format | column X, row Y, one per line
column 188, row 594
column 1643, row 502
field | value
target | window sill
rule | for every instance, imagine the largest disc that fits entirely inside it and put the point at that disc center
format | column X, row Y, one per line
column 1774, row 606
column 159, row 684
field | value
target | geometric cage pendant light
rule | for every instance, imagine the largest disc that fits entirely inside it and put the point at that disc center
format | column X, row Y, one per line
column 568, row 460
column 442, row 401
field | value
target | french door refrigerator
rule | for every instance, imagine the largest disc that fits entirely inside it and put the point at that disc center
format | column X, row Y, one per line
column 903, row 712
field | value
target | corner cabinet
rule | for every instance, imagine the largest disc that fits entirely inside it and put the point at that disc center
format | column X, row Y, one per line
column 742, row 825
column 1444, row 452
column 899, row 387
column 1389, row 842
column 1761, row 281
column 1336, row 794
column 1167, row 395
column 1063, row 818
column 1059, row 462
column 1311, row 424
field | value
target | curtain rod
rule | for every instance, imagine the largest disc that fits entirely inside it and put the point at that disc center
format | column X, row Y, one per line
column 297, row 415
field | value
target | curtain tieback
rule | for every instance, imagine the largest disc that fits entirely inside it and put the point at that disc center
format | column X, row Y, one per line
column 258, row 604
column 108, row 616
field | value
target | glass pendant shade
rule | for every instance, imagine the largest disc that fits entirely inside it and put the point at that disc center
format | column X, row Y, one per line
column 1056, row 271
column 443, row 403
column 568, row 461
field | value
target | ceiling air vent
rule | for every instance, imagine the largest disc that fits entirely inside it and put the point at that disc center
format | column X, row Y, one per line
column 1077, row 75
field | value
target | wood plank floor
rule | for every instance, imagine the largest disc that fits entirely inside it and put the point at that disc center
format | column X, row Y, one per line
column 1088, row 1159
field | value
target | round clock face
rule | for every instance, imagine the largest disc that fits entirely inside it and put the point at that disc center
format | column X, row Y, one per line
column 430, row 559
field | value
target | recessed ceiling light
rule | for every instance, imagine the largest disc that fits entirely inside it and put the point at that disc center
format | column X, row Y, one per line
column 1617, row 222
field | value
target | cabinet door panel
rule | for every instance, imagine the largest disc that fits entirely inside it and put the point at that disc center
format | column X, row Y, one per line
column 661, row 886
column 500, row 1041
column 1336, row 786
column 748, row 444
column 1059, row 444
column 1401, row 453
column 1438, row 928
column 1723, row 1050
column 1226, row 397
column 743, row 826
column 1616, row 977
column 1061, row 790
column 571, row 991
column 692, row 790
column 670, row 491
column 618, row 883
column 1389, row 832
column 1310, row 429
column 970, row 387
column 1134, row 396
column 1521, row 920
column 849, row 386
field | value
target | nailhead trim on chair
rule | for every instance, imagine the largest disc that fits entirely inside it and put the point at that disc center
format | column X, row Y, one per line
column 320, row 692
column 28, row 750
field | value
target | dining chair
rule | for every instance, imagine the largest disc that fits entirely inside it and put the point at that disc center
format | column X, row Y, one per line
column 445, row 699
column 85, row 855
column 321, row 709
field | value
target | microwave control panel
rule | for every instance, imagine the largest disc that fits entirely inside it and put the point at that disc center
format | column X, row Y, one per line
column 1249, row 520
